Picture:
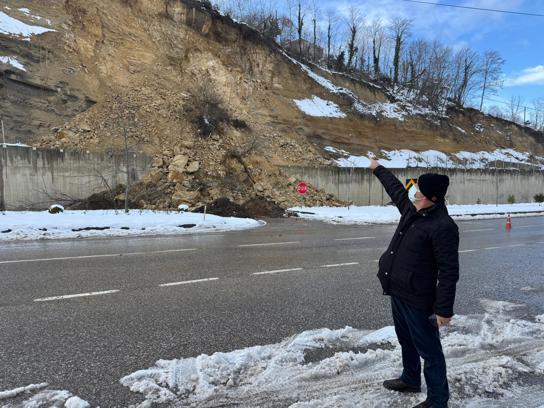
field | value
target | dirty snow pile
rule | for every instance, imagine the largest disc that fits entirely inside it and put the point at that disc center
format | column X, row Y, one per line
column 37, row 395
column 374, row 214
column 405, row 158
column 14, row 27
column 494, row 360
column 319, row 107
column 15, row 225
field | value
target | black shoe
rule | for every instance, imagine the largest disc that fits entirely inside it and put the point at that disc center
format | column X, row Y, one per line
column 398, row 385
column 424, row 404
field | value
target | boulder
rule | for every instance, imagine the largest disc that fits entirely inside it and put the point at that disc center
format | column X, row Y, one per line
column 184, row 197
column 157, row 162
column 193, row 167
column 178, row 163
column 176, row 176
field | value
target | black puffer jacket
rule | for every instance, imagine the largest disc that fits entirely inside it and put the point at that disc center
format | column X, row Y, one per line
column 421, row 264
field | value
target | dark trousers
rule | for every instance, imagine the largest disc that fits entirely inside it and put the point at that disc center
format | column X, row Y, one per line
column 418, row 337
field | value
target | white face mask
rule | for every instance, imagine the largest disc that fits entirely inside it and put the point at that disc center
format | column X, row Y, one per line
column 412, row 195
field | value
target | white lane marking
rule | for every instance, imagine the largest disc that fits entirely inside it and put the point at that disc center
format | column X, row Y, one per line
column 479, row 230
column 467, row 250
column 527, row 226
column 105, row 292
column 353, row 239
column 277, row 271
column 506, row 246
column 270, row 244
column 187, row 282
column 95, row 256
column 340, row 264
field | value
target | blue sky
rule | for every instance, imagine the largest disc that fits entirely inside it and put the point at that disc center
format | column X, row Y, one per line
column 519, row 39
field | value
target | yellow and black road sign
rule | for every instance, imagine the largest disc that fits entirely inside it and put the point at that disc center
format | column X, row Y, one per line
column 411, row 182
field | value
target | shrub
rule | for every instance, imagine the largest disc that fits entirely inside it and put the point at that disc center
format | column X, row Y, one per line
column 539, row 198
column 208, row 112
column 511, row 199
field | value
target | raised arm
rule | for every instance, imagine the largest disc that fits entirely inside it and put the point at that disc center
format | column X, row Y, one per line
column 394, row 188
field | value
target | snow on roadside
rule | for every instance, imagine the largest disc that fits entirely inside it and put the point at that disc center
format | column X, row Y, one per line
column 16, row 391
column 42, row 397
column 374, row 214
column 495, row 359
column 14, row 27
column 27, row 225
column 319, row 107
column 13, row 62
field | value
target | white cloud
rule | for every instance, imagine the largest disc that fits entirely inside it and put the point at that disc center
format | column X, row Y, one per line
column 529, row 76
column 450, row 25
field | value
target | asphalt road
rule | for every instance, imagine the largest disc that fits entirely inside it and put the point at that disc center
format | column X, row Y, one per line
column 252, row 287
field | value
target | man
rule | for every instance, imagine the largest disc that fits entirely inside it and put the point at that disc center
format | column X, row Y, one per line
column 419, row 271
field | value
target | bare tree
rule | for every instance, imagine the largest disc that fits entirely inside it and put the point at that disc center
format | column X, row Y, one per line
column 354, row 24
column 300, row 26
column 400, row 29
column 538, row 113
column 465, row 71
column 418, row 55
column 491, row 71
column 315, row 16
column 514, row 108
column 329, row 37
column 378, row 35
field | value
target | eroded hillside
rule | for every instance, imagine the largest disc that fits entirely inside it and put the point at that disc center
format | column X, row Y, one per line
column 210, row 99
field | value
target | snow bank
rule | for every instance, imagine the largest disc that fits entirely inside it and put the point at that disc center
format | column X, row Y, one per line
column 13, row 62
column 405, row 158
column 389, row 214
column 43, row 397
column 25, row 225
column 14, row 27
column 319, row 107
column 15, row 392
column 494, row 359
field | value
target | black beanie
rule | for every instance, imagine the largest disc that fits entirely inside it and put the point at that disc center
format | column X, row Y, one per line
column 433, row 186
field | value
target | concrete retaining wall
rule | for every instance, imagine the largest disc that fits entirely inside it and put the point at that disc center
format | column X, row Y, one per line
column 466, row 186
column 33, row 179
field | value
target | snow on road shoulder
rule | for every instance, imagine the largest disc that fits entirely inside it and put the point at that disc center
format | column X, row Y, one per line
column 26, row 225
column 374, row 214
column 319, row 107
column 495, row 359
column 37, row 395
